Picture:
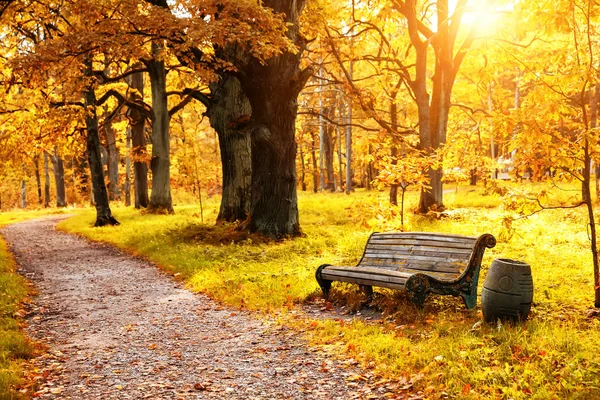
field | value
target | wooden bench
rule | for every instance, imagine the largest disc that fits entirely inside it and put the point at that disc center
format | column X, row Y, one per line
column 418, row 262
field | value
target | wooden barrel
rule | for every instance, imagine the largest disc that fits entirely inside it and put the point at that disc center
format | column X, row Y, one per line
column 507, row 291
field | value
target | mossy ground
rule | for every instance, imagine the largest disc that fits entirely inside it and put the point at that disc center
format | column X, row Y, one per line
column 436, row 350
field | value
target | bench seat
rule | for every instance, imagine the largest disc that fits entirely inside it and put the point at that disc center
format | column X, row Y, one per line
column 418, row 262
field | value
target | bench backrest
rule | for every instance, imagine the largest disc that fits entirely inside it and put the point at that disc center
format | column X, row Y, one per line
column 446, row 257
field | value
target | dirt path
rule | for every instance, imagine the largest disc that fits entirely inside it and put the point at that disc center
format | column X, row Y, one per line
column 117, row 328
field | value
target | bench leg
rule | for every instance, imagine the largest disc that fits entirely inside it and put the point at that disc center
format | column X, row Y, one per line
column 368, row 291
column 470, row 300
column 417, row 289
column 323, row 283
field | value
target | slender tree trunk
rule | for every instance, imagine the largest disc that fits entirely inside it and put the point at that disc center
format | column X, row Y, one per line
column 38, row 178
column 23, row 194
column 112, row 162
column 322, row 133
column 492, row 144
column 128, row 169
column 586, row 195
column 103, row 213
column 348, row 130
column 394, row 150
column 138, row 141
column 340, row 162
column 273, row 89
column 160, row 164
column 302, row 164
column 229, row 114
column 595, row 97
column 328, row 148
column 59, row 179
column 315, row 169
column 46, row 181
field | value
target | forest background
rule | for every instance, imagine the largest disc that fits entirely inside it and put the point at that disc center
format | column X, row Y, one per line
column 229, row 108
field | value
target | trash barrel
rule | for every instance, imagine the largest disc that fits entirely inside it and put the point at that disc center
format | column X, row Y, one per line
column 507, row 291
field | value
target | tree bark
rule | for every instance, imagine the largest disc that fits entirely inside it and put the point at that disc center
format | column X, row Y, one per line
column 128, row 168
column 229, row 113
column 112, row 162
column 59, row 179
column 302, row 165
column 103, row 213
column 328, row 148
column 138, row 141
column 348, row 132
column 340, row 162
column 160, row 164
column 272, row 89
column 313, row 155
column 46, row 181
column 23, row 194
column 38, row 179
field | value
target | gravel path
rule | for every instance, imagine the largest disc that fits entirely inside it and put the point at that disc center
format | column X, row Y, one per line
column 117, row 328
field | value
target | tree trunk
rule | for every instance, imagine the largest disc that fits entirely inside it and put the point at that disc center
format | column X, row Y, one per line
column 273, row 89
column 340, row 162
column 491, row 119
column 328, row 148
column 313, row 155
column 128, row 169
column 229, row 112
column 160, row 164
column 302, row 165
column 59, row 179
column 138, row 141
column 38, row 179
column 322, row 133
column 348, row 129
column 112, row 162
column 46, row 181
column 103, row 213
column 394, row 149
column 23, row 194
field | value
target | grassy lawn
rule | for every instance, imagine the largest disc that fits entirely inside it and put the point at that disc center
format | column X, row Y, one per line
column 439, row 350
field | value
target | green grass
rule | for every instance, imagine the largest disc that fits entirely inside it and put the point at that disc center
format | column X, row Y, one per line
column 436, row 350
column 14, row 345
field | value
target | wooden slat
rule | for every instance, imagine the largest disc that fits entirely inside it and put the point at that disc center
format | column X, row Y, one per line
column 415, row 248
column 425, row 236
column 442, row 268
column 428, row 243
column 366, row 276
column 433, row 258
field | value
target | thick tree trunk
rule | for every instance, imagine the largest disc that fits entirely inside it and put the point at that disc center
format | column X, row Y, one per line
column 59, row 179
column 138, row 141
column 229, row 113
column 273, row 89
column 38, row 178
column 103, row 213
column 46, row 181
column 160, row 164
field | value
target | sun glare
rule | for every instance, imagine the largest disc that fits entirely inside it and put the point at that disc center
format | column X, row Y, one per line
column 484, row 17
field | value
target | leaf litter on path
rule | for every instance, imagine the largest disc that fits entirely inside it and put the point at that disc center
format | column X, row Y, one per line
column 118, row 328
